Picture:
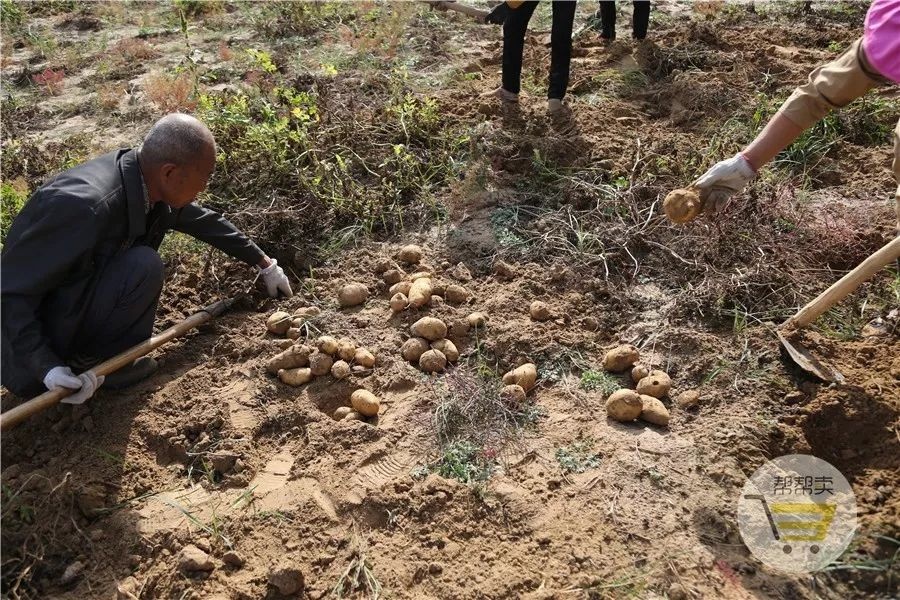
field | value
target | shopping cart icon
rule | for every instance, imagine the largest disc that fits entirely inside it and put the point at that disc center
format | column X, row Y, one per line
column 797, row 521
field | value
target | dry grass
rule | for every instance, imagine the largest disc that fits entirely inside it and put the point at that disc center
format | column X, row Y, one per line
column 171, row 92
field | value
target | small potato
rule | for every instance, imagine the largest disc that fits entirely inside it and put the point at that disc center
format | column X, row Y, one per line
column 436, row 301
column 320, row 363
column 399, row 302
column 341, row 412
column 410, row 254
column 456, row 294
column 364, row 358
column 540, row 311
column 621, row 358
column 327, row 344
column 346, row 349
column 514, row 394
column 477, row 320
column 365, row 403
column 352, row 294
column 656, row 384
column 353, row 416
column 447, row 348
column 295, row 377
column 653, row 411
column 460, row 328
column 624, row 405
column 340, row 369
column 307, row 312
column 420, row 292
column 525, row 376
column 295, row 356
column 682, row 205
column 639, row 372
column 392, row 276
column 433, row 361
column 278, row 322
column 400, row 288
column 293, row 333
column 430, row 328
column 413, row 349
column 688, row 399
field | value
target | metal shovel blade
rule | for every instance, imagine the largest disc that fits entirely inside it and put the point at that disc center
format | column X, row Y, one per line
column 804, row 359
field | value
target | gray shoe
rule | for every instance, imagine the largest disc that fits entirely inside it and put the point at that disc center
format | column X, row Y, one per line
column 134, row 373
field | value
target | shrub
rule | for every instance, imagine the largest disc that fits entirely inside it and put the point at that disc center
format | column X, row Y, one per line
column 171, row 92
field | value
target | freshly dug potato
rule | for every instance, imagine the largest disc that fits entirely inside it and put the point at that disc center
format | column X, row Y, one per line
column 278, row 322
column 639, row 372
column 341, row 412
column 400, row 288
column 307, row 312
column 514, row 394
column 525, row 376
column 392, row 276
column 284, row 344
column 682, row 205
column 340, row 369
column 656, row 384
column 327, row 344
column 293, row 333
column 654, row 411
column 346, row 349
column 477, row 320
column 540, row 311
column 413, row 349
column 460, row 328
column 353, row 416
column 410, row 254
column 420, row 292
column 399, row 302
column 420, row 275
column 433, row 361
column 293, row 357
column 430, row 328
column 456, row 294
column 365, row 403
column 320, row 363
column 624, row 405
column 364, row 358
column 688, row 399
column 621, row 358
column 447, row 348
column 352, row 294
column 295, row 377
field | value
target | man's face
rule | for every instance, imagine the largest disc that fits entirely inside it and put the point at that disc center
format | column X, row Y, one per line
column 181, row 184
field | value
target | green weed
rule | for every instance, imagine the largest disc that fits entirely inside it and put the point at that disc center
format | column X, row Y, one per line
column 578, row 456
column 12, row 200
column 602, row 381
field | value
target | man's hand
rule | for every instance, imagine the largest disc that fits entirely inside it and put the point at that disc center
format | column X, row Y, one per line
column 275, row 279
column 63, row 377
column 498, row 14
column 722, row 181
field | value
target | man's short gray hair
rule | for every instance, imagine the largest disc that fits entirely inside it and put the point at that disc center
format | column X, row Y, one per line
column 177, row 138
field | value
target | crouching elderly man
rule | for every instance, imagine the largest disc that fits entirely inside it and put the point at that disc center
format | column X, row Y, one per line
column 81, row 276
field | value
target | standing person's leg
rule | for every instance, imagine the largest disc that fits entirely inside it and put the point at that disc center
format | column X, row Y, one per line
column 640, row 19
column 514, row 44
column 561, row 47
column 607, row 19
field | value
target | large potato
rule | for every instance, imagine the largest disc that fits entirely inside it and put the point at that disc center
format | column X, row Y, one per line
column 420, row 292
column 525, row 376
column 433, row 361
column 327, row 344
column 656, row 384
column 621, row 358
column 624, row 405
column 410, row 254
column 295, row 377
column 430, row 328
column 413, row 349
column 279, row 322
column 340, row 369
column 293, row 357
column 653, row 411
column 352, row 294
column 346, row 349
column 447, row 348
column 682, row 205
column 365, row 403
column 320, row 363
column 364, row 358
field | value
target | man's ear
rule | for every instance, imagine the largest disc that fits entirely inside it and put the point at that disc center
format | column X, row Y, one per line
column 167, row 171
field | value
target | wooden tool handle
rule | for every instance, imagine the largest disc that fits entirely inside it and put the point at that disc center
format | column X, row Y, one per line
column 466, row 9
column 844, row 286
column 16, row 415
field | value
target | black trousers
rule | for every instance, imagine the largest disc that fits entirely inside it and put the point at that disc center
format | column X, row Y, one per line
column 640, row 22
column 560, row 46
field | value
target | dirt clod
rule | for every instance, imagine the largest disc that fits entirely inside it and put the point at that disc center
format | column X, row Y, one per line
column 687, row 399
column 233, row 559
column 514, row 394
column 288, row 580
column 192, row 559
column 456, row 294
column 392, row 276
column 320, row 363
column 540, row 311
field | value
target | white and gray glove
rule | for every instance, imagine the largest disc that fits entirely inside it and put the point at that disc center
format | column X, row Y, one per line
column 275, row 279
column 63, row 377
column 722, row 181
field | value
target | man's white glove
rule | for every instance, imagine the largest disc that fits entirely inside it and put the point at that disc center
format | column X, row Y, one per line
column 275, row 279
column 722, row 181
column 63, row 377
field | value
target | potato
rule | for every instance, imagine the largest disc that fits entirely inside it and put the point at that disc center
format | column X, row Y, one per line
column 293, row 333
column 420, row 292
column 413, row 349
column 295, row 377
column 399, row 302
column 341, row 412
column 346, row 349
column 525, row 376
column 284, row 344
column 477, row 320
column 410, row 254
column 400, row 288
column 514, row 394
column 639, row 372
column 447, row 348
column 353, row 416
column 435, row 301
column 392, row 276
column 653, row 411
column 327, row 344
column 433, row 361
column 430, row 328
column 656, row 384
column 364, row 358
column 420, row 275
column 621, row 358
column 307, row 312
column 539, row 311
column 460, row 328
column 340, row 369
column 682, row 205
column 320, row 363
column 293, row 357
column 438, row 288
column 456, row 294
column 278, row 322
column 688, row 399
column 624, row 405
column 365, row 403
column 352, row 294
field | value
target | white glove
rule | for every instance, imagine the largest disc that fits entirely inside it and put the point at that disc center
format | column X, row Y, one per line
column 722, row 181
column 63, row 377
column 275, row 279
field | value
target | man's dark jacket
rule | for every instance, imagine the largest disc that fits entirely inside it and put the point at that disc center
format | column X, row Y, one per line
column 60, row 242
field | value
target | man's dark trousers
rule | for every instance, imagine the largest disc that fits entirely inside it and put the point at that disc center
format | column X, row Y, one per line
column 514, row 29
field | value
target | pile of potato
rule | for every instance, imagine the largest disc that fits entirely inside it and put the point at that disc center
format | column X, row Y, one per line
column 518, row 382
column 644, row 403
column 419, row 288
column 363, row 403
column 429, row 347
